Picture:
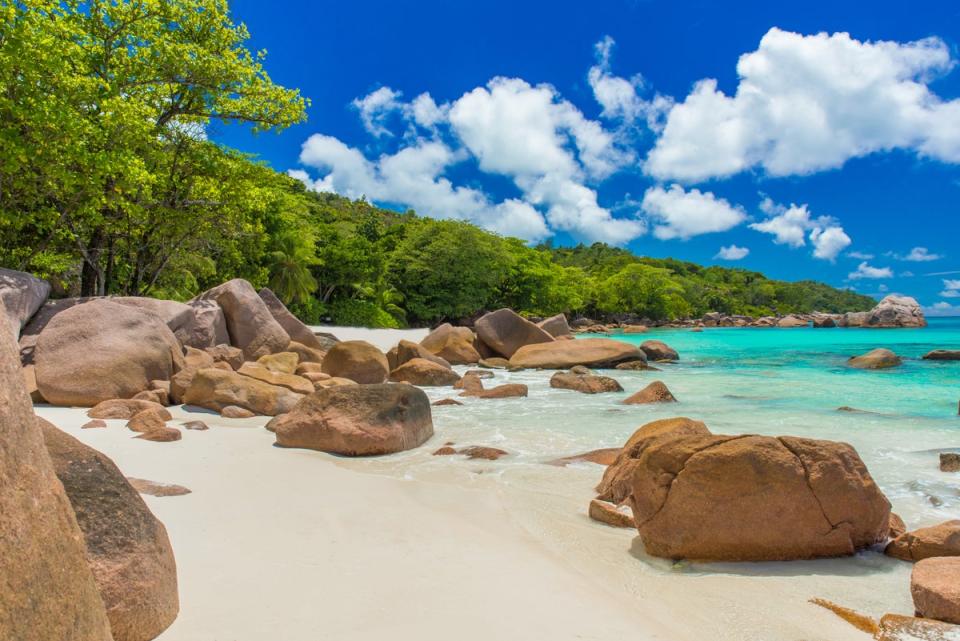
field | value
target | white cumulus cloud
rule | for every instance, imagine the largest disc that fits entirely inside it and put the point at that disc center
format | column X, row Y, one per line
column 732, row 252
column 678, row 213
column 413, row 177
column 864, row 270
column 918, row 255
column 793, row 225
column 620, row 97
column 806, row 103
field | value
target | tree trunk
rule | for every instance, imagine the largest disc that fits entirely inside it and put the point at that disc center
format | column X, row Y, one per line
column 91, row 276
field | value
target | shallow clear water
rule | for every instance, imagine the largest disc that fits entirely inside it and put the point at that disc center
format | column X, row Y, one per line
column 737, row 380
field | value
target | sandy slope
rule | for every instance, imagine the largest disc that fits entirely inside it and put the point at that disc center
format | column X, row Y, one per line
column 382, row 338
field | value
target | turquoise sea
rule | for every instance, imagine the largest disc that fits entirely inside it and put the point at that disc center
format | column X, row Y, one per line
column 747, row 380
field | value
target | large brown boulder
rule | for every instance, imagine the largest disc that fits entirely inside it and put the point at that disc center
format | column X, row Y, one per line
column 408, row 350
column 895, row 311
column 290, row 323
column 617, row 483
column 879, row 358
column 250, row 324
column 590, row 352
column 655, row 392
column 938, row 540
column 358, row 420
column 176, row 315
column 504, row 331
column 292, row 382
column 357, row 360
column 659, row 351
column 935, row 587
column 21, row 295
column 207, row 326
column 47, row 591
column 127, row 547
column 453, row 344
column 103, row 350
column 701, row 496
column 584, row 382
column 34, row 327
column 215, row 389
column 556, row 326
column 419, row 371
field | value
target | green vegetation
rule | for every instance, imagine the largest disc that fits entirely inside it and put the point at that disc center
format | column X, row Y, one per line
column 108, row 185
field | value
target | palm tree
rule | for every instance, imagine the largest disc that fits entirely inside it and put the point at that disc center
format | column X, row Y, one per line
column 289, row 265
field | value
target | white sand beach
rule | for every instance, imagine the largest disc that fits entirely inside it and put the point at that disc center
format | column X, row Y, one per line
column 300, row 545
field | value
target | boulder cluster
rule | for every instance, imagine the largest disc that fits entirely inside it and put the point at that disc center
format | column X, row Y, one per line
column 892, row 312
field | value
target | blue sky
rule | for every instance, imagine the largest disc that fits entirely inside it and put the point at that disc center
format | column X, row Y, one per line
column 816, row 140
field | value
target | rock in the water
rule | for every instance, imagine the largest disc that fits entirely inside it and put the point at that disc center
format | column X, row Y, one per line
column 635, row 329
column 214, row 389
column 897, row 526
column 446, row 401
column 556, row 326
column 895, row 311
column 161, row 435
column 942, row 355
column 585, row 383
column 207, row 326
column 47, row 590
column 452, row 344
column 196, row 425
column 358, row 420
column 639, row 364
column 94, row 424
column 504, row 331
column 127, row 547
column 879, row 358
column 483, row 452
column 659, row 351
column 446, row 450
column 949, row 462
column 935, row 587
column 896, row 627
column 419, row 371
column 359, row 361
column 102, row 350
column 604, row 456
column 590, row 352
column 291, row 324
column 292, row 382
column 616, row 516
column 21, row 295
column 125, row 408
column 655, row 392
column 507, row 390
column 222, row 353
column 938, row 540
column 157, row 489
column 250, row 324
column 782, row 498
column 232, row 411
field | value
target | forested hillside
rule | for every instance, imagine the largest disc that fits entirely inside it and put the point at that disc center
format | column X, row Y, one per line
column 109, row 185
